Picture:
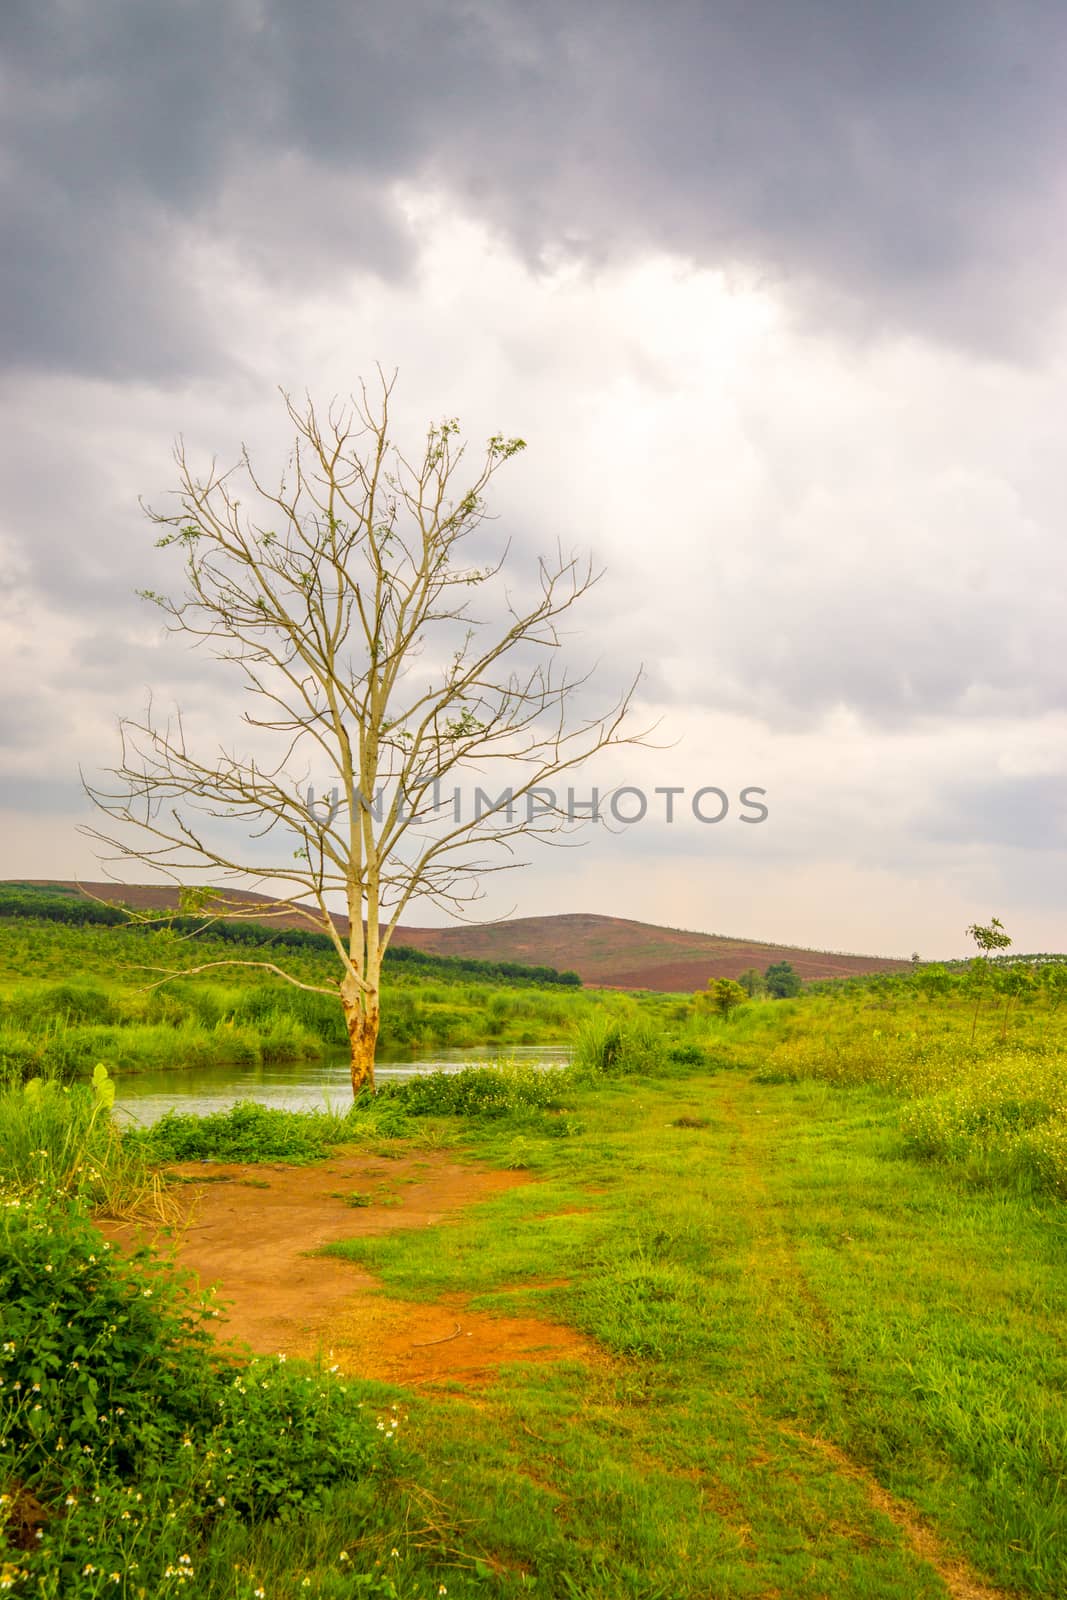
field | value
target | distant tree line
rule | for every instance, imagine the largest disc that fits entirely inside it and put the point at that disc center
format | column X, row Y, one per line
column 66, row 905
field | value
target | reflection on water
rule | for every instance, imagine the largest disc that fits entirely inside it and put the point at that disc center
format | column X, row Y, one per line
column 300, row 1085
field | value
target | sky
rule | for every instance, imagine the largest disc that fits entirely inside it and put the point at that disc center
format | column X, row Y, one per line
column 774, row 291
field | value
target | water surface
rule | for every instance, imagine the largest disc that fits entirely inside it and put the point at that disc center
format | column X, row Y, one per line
column 144, row 1097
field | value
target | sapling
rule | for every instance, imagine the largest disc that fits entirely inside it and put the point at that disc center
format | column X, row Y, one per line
column 987, row 939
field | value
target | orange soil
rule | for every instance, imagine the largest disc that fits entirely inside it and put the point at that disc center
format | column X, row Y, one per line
column 257, row 1245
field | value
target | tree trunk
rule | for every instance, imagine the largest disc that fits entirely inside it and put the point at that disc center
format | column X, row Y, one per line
column 361, row 1019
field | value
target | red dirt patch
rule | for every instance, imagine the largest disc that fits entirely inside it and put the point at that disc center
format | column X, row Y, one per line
column 256, row 1243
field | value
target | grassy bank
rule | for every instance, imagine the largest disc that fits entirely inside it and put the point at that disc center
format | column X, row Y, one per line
column 812, row 1350
column 72, row 996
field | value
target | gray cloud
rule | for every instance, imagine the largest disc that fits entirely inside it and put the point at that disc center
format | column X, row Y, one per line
column 895, row 165
column 1027, row 814
column 38, row 797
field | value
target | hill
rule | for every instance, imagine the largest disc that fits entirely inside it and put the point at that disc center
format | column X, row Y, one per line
column 612, row 952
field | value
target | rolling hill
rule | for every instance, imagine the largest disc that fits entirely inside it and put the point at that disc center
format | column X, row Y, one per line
column 610, row 952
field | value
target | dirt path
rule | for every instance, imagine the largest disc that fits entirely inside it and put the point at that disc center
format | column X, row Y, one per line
column 254, row 1233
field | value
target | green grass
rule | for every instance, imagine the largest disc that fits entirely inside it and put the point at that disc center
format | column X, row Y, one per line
column 993, row 1108
column 788, row 1319
column 823, row 1290
column 780, row 1277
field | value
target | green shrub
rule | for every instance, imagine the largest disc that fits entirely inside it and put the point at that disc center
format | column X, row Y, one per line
column 246, row 1132
column 496, row 1091
column 127, row 1431
column 687, row 1055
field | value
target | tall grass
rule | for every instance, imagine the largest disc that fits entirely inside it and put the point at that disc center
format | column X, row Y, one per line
column 996, row 1107
column 612, row 1047
column 63, row 1142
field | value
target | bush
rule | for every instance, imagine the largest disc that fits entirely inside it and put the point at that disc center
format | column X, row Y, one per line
column 246, row 1132
column 782, row 980
column 126, row 1436
column 687, row 1055
column 478, row 1091
column 1011, row 1112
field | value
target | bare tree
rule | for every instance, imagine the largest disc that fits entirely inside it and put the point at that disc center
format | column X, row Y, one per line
column 343, row 596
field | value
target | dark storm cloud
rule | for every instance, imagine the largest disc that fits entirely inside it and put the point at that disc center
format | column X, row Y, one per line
column 895, row 165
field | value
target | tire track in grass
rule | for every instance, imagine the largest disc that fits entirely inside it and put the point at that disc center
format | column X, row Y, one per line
column 772, row 1259
column 957, row 1577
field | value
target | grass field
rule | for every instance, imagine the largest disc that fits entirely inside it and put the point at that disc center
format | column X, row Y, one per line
column 824, row 1368
column 817, row 1254
column 814, row 1350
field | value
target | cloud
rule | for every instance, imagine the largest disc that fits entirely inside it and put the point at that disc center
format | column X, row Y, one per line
column 869, row 160
column 1023, row 813
column 774, row 292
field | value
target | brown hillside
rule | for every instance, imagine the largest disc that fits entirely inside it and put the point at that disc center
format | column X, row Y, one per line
column 609, row 951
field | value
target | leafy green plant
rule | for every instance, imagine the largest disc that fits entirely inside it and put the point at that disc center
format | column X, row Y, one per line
column 726, row 996
column 988, row 939
column 246, row 1132
column 62, row 1140
column 496, row 1091
column 127, row 1437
